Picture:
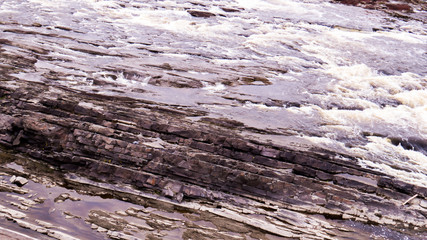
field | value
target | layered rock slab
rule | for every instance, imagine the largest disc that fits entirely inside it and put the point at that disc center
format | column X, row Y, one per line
column 158, row 148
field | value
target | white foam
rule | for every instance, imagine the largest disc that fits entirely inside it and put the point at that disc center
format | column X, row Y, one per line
column 405, row 37
column 359, row 86
column 381, row 155
column 415, row 98
column 401, row 121
column 197, row 73
column 261, row 106
column 304, row 110
column 122, row 80
column 90, row 105
column 279, row 5
column 409, row 165
column 217, row 87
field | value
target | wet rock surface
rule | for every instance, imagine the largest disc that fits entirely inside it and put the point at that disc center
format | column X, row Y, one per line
column 403, row 6
column 158, row 150
column 120, row 211
column 95, row 144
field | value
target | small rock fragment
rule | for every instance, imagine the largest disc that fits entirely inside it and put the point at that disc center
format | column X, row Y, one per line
column 399, row 7
column 202, row 14
column 101, row 229
column 17, row 140
column 19, row 206
column 44, row 224
column 19, row 181
column 64, row 196
column 39, row 200
column 121, row 213
column 42, row 230
column 168, row 192
column 69, row 215
column 179, row 197
column 225, row 9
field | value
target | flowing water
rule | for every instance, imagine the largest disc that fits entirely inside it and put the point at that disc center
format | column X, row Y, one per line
column 324, row 75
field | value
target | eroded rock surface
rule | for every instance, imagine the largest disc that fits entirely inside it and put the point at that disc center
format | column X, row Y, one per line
column 114, row 142
column 78, row 101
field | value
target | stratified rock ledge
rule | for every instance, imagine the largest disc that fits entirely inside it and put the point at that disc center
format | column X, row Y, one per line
column 158, row 149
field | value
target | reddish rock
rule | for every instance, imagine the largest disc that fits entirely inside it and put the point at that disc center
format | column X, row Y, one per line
column 350, row 2
column 225, row 9
column 399, row 7
column 201, row 14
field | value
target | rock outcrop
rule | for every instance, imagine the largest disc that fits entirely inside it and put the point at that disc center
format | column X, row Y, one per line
column 182, row 158
column 160, row 149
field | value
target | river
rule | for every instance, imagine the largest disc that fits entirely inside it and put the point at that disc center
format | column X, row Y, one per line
column 309, row 74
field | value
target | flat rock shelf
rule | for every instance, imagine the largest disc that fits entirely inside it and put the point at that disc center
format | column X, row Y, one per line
column 125, row 138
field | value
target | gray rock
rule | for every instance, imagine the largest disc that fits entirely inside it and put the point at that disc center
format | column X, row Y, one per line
column 19, row 181
column 179, row 197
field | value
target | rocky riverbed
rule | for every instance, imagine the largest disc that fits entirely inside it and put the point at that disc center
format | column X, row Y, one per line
column 53, row 204
column 213, row 120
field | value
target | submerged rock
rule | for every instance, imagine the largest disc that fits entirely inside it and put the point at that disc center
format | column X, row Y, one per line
column 64, row 196
column 201, row 14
